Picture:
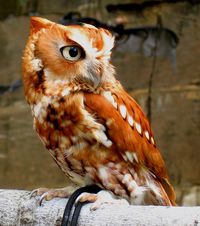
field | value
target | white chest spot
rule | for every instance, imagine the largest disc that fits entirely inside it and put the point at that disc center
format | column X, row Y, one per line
column 103, row 174
column 37, row 109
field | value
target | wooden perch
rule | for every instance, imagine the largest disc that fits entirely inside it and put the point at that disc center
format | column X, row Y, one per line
column 16, row 208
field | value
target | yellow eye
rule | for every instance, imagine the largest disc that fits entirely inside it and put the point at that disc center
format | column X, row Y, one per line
column 71, row 53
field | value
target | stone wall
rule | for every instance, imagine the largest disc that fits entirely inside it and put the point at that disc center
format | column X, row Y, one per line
column 175, row 98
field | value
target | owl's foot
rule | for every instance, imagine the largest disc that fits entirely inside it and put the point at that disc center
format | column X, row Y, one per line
column 102, row 197
column 48, row 194
column 72, row 199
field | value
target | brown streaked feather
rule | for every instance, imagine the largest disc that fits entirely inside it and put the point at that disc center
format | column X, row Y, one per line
column 126, row 137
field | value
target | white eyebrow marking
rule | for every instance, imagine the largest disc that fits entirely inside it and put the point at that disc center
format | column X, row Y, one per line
column 130, row 120
column 138, row 127
column 146, row 133
column 122, row 109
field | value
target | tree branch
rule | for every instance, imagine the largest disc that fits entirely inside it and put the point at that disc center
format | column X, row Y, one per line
column 16, row 208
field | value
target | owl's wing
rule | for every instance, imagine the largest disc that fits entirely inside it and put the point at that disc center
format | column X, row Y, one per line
column 129, row 130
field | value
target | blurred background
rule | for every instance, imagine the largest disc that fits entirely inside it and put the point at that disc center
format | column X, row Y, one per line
column 157, row 59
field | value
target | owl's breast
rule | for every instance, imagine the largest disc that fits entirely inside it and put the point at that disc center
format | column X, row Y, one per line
column 67, row 130
column 57, row 130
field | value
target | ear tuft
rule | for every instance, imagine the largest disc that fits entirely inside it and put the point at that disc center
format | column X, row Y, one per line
column 108, row 41
column 37, row 23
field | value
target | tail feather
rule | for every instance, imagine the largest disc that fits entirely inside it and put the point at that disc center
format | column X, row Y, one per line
column 169, row 191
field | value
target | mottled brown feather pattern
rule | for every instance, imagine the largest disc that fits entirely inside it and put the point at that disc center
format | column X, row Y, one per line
column 92, row 128
column 126, row 137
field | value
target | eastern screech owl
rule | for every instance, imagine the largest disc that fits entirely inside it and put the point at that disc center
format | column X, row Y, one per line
column 92, row 128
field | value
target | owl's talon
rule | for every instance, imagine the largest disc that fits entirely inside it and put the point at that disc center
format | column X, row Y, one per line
column 86, row 197
column 38, row 192
column 105, row 197
column 42, row 197
column 48, row 194
column 33, row 193
column 102, row 197
column 72, row 201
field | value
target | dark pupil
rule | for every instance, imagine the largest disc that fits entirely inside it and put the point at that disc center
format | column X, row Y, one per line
column 73, row 51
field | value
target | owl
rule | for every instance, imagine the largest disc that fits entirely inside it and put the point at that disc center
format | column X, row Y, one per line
column 92, row 128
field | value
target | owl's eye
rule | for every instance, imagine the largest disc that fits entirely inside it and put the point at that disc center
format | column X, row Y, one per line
column 71, row 53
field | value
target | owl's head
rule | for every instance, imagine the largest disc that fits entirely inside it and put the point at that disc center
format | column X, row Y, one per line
column 80, row 52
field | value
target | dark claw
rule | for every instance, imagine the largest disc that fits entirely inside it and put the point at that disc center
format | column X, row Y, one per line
column 33, row 193
column 90, row 189
column 42, row 197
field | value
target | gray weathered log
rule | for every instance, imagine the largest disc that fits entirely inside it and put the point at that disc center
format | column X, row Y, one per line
column 16, row 208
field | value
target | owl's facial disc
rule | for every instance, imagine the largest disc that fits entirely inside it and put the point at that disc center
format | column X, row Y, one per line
column 72, row 53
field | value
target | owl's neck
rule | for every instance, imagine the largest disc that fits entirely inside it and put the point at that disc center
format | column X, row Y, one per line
column 44, row 84
column 90, row 82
